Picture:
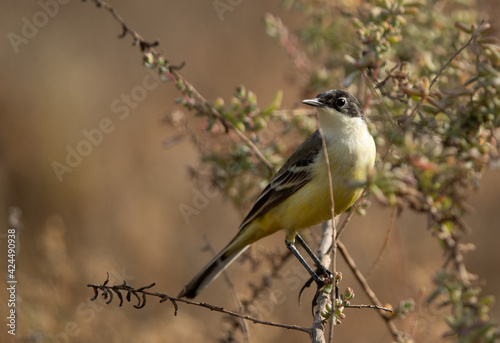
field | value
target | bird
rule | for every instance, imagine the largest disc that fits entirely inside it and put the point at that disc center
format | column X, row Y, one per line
column 298, row 196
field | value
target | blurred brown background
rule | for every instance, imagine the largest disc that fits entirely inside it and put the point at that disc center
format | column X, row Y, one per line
column 118, row 210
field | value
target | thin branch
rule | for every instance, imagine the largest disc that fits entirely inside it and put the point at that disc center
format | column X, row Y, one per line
column 295, row 112
column 266, row 279
column 356, row 203
column 434, row 80
column 333, row 250
column 384, row 246
column 234, row 293
column 324, row 248
column 330, row 189
column 371, row 294
column 182, row 84
column 376, row 307
column 245, row 317
column 349, row 216
column 227, row 124
column 144, row 45
column 384, row 107
column 454, row 56
column 141, row 293
column 318, row 326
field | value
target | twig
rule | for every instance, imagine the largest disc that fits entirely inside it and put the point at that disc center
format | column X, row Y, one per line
column 333, row 250
column 371, row 294
column 245, row 317
column 236, row 298
column 144, row 45
column 141, row 293
column 356, row 203
column 318, row 327
column 295, row 112
column 384, row 246
column 203, row 104
column 376, row 307
column 384, row 107
column 434, row 80
column 348, row 218
column 266, row 280
column 227, row 124
column 454, row 56
column 325, row 245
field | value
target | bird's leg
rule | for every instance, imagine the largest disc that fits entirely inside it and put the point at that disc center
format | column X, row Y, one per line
column 291, row 246
column 322, row 269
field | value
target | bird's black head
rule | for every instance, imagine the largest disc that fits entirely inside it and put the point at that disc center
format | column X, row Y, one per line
column 339, row 100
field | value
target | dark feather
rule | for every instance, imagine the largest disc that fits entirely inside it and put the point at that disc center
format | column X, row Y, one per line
column 287, row 180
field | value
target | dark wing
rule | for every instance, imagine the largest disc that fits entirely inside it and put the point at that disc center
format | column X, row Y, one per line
column 295, row 173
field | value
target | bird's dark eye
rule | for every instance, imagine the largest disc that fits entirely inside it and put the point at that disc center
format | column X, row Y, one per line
column 340, row 102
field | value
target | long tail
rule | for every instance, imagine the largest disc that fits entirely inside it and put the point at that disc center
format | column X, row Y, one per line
column 211, row 271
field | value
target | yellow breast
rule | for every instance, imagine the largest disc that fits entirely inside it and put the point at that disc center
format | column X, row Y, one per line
column 350, row 158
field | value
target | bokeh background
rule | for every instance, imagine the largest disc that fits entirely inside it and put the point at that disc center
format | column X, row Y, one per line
column 118, row 210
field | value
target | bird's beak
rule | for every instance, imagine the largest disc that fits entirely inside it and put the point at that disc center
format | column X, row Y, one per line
column 313, row 102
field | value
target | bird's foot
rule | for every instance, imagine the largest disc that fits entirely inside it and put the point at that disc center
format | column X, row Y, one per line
column 325, row 277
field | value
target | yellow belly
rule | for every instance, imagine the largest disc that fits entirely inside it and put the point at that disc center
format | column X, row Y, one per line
column 349, row 160
column 310, row 205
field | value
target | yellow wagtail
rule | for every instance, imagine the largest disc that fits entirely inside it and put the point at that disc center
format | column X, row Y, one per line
column 298, row 196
